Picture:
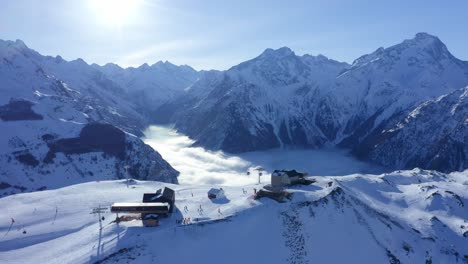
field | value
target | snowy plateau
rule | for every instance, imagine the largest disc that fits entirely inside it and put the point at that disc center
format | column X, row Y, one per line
column 384, row 141
column 402, row 217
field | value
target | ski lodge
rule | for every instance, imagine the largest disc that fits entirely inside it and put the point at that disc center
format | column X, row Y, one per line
column 153, row 206
column 287, row 177
column 215, row 193
column 161, row 196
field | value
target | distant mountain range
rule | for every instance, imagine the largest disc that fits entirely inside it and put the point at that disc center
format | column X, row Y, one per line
column 279, row 99
column 402, row 107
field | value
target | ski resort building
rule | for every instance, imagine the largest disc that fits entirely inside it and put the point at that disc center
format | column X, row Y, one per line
column 153, row 206
column 286, row 177
column 161, row 196
column 215, row 193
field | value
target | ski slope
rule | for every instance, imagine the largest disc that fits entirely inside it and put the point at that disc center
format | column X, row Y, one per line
column 410, row 216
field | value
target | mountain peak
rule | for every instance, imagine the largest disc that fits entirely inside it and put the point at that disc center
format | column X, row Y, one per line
column 144, row 66
column 112, row 66
column 424, row 35
column 9, row 44
column 432, row 45
column 20, row 44
column 163, row 64
column 425, row 39
column 80, row 62
column 281, row 52
column 423, row 44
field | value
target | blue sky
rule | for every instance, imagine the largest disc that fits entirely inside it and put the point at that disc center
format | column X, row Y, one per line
column 218, row 34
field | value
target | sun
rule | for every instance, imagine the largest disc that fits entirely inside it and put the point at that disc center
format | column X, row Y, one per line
column 115, row 12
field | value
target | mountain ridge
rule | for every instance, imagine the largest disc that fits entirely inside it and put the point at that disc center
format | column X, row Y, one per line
column 279, row 98
column 45, row 105
column 274, row 100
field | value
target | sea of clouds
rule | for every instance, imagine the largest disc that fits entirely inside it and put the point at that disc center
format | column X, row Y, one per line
column 200, row 166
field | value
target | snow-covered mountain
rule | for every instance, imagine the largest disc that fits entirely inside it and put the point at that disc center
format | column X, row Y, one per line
column 395, row 79
column 434, row 134
column 402, row 217
column 281, row 99
column 65, row 123
column 58, row 120
column 151, row 86
column 278, row 99
column 260, row 104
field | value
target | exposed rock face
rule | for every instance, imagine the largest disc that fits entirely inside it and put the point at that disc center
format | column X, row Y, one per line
column 93, row 137
column 17, row 110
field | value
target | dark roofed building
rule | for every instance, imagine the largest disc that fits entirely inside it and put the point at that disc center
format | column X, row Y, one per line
column 286, row 177
column 215, row 193
column 161, row 196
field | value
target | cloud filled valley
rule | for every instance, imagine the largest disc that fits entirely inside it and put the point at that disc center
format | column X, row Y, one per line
column 200, row 166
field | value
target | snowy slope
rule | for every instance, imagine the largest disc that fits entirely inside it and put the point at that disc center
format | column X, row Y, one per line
column 38, row 111
column 280, row 99
column 100, row 98
column 402, row 217
column 395, row 79
column 263, row 103
column 151, row 86
column 434, row 134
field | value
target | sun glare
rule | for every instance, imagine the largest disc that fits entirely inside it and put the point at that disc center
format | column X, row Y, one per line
column 115, row 12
